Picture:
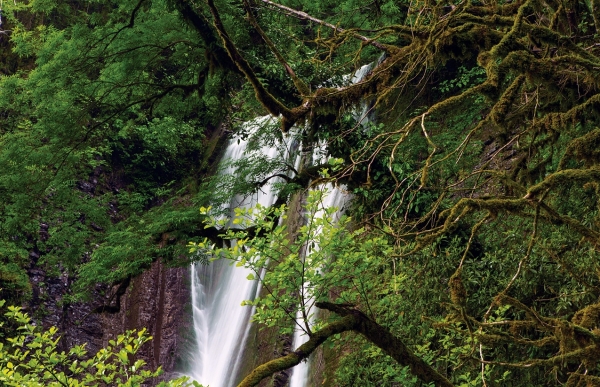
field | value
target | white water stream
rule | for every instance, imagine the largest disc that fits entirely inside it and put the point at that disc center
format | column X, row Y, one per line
column 220, row 323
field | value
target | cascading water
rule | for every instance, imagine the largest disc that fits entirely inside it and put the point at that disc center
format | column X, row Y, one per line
column 221, row 324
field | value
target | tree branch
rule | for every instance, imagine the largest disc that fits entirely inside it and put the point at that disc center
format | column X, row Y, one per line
column 294, row 358
column 207, row 35
column 274, row 106
column 390, row 344
column 131, row 21
column 352, row 320
column 300, row 85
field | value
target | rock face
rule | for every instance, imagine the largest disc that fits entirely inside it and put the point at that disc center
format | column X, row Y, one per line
column 76, row 323
column 155, row 300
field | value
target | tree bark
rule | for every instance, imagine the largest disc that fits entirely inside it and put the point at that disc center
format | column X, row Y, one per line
column 294, row 358
column 352, row 320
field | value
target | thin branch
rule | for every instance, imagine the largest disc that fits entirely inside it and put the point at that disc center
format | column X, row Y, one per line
column 131, row 22
column 305, row 16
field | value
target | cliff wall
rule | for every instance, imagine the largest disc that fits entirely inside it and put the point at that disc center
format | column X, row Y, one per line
column 155, row 300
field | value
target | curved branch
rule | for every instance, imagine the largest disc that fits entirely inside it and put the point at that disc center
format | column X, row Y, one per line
column 294, row 358
column 129, row 25
column 260, row 184
column 207, row 35
column 352, row 320
column 390, row 344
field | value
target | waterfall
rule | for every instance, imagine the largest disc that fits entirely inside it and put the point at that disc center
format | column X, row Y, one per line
column 220, row 323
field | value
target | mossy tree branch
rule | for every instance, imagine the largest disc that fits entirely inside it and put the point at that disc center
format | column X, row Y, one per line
column 272, row 104
column 352, row 320
column 295, row 357
column 208, row 36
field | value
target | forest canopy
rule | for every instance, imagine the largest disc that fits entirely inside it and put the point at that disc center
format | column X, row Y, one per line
column 470, row 148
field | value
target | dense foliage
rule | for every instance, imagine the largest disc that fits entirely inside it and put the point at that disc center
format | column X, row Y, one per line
column 100, row 123
column 471, row 149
